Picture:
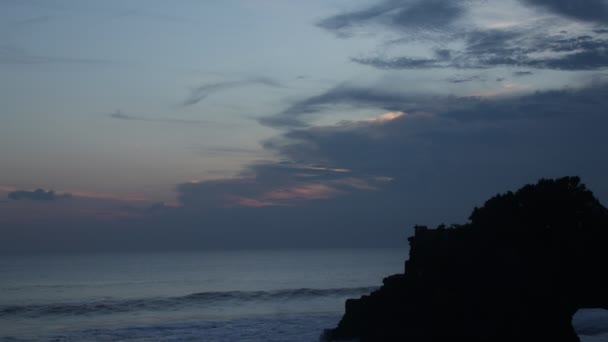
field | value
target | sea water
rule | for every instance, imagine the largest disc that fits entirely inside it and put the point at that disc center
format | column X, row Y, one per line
column 263, row 295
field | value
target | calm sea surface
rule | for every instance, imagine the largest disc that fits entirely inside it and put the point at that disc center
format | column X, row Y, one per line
column 284, row 295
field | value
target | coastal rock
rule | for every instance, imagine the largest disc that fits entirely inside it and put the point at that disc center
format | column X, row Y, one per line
column 517, row 271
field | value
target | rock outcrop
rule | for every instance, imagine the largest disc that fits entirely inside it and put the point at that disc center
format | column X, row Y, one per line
column 518, row 271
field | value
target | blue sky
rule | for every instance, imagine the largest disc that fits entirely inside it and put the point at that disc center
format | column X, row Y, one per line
column 292, row 107
column 68, row 65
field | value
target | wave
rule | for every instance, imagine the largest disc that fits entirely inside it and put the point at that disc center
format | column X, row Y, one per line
column 285, row 327
column 110, row 306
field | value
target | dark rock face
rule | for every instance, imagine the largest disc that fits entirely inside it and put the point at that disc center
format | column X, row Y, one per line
column 518, row 271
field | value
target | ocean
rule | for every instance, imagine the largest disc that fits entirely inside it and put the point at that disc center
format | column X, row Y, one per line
column 257, row 295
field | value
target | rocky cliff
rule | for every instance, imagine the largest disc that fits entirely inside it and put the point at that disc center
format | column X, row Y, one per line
column 518, row 271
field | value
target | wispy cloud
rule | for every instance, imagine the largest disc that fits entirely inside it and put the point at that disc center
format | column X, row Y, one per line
column 464, row 79
column 14, row 55
column 510, row 42
column 522, row 73
column 588, row 10
column 119, row 115
column 8, row 188
column 512, row 48
column 200, row 93
column 399, row 15
column 109, row 196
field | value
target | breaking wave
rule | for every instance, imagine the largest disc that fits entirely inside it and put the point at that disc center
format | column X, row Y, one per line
column 111, row 306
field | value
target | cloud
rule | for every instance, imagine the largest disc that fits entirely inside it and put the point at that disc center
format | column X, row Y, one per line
column 399, row 15
column 532, row 44
column 455, row 129
column 407, row 167
column 510, row 47
column 200, row 93
column 119, row 115
column 588, row 10
column 401, row 63
column 14, row 55
column 346, row 95
column 355, row 183
column 471, row 147
column 522, row 73
column 36, row 195
column 275, row 184
column 422, row 158
column 464, row 79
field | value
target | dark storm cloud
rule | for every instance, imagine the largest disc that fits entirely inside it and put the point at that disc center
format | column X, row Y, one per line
column 515, row 48
column 119, row 115
column 587, row 10
column 199, row 93
column 399, row 14
column 36, row 195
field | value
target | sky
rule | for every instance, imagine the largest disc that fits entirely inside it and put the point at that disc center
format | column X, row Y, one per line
column 180, row 125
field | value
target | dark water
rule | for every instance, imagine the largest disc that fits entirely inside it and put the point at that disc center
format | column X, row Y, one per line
column 287, row 295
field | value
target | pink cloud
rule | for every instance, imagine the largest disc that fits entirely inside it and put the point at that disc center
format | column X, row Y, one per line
column 278, row 184
column 81, row 205
column 292, row 194
column 240, row 201
column 302, row 192
column 7, row 188
column 116, row 197
column 386, row 117
column 355, row 183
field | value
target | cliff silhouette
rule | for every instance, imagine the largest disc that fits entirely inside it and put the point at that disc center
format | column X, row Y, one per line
column 518, row 271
